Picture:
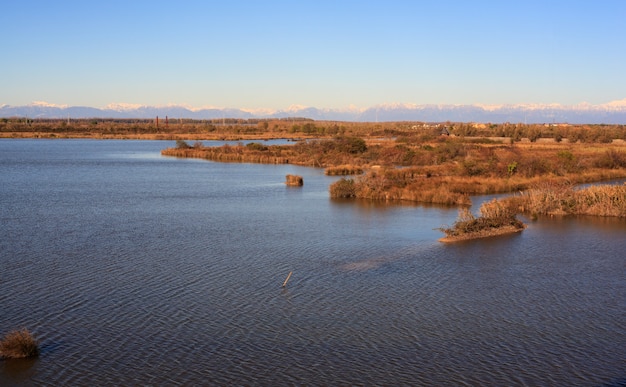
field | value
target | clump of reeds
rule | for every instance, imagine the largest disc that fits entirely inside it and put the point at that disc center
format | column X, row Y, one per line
column 18, row 344
column 494, row 216
column 294, row 180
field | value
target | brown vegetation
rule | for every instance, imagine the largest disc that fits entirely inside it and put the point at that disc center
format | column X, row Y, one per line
column 565, row 199
column 294, row 127
column 18, row 344
column 496, row 218
column 443, row 170
column 343, row 170
column 408, row 161
column 413, row 161
column 343, row 188
column 294, row 180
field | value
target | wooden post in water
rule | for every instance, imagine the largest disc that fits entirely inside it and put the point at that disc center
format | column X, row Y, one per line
column 288, row 276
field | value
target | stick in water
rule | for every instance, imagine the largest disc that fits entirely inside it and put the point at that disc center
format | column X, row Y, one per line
column 288, row 276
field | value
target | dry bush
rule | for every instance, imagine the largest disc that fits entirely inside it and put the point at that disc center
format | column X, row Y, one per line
column 344, row 188
column 19, row 344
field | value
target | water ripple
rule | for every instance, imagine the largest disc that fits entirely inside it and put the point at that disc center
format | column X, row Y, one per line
column 163, row 279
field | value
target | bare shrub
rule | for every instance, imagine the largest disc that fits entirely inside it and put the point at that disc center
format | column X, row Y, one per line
column 19, row 344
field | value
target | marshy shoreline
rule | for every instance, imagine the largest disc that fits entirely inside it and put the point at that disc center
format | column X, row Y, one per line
column 444, row 163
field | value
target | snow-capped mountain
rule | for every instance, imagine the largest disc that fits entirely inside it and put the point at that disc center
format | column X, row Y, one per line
column 610, row 113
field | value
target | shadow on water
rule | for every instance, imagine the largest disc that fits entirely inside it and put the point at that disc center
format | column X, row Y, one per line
column 50, row 348
column 617, row 383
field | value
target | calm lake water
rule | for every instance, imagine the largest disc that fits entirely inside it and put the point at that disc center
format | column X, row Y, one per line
column 136, row 269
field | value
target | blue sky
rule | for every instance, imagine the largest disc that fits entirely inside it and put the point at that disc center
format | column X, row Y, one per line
column 327, row 54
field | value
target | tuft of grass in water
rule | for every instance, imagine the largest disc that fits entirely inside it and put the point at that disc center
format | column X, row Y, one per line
column 19, row 344
column 294, row 180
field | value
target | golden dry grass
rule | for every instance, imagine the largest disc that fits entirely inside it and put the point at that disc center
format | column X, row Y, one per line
column 565, row 199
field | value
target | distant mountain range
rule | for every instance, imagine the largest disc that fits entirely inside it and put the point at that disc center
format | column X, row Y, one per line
column 610, row 113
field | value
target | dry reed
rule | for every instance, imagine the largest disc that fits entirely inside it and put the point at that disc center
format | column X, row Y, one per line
column 564, row 199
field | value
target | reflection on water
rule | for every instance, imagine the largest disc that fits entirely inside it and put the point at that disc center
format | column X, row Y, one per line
column 136, row 269
column 16, row 371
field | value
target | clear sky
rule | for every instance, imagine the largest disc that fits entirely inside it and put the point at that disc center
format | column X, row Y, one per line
column 326, row 54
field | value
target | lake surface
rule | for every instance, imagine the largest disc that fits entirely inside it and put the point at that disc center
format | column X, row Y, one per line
column 136, row 269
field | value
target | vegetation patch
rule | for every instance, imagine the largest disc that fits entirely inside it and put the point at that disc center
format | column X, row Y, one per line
column 18, row 344
column 496, row 218
column 343, row 188
column 555, row 198
column 294, row 181
column 343, row 170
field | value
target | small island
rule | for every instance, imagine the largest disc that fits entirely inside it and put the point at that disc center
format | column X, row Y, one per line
column 496, row 218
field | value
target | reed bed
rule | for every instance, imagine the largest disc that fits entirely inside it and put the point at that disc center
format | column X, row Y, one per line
column 565, row 199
